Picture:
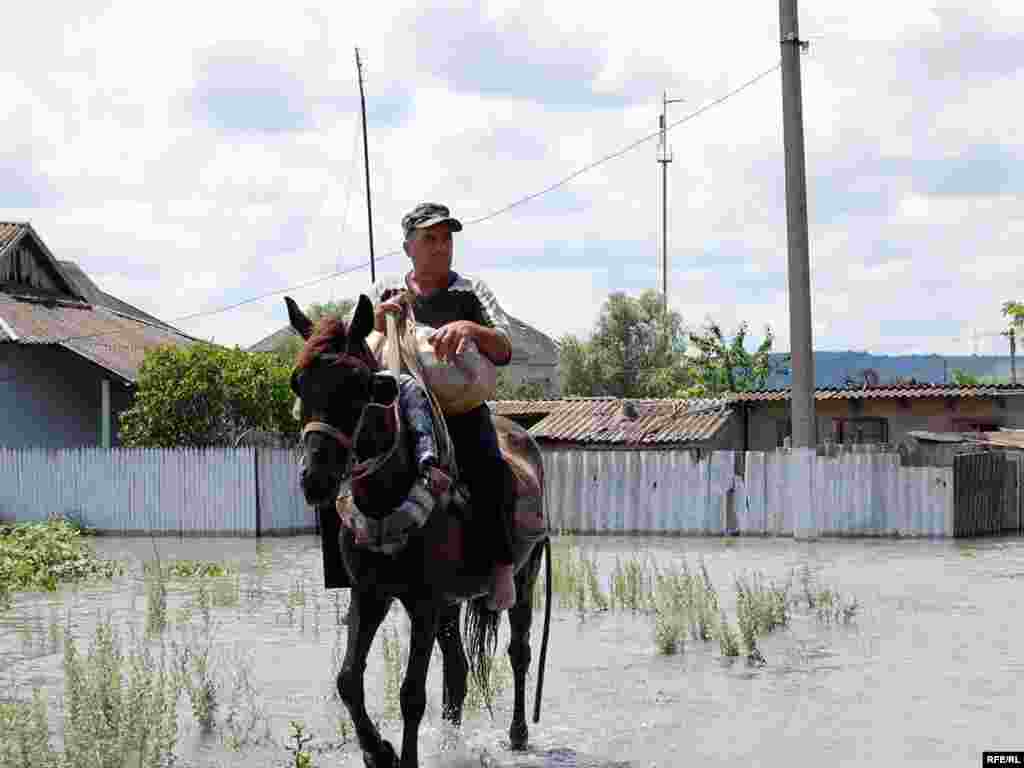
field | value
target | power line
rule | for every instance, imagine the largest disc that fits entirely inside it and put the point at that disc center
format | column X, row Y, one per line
column 624, row 150
column 469, row 222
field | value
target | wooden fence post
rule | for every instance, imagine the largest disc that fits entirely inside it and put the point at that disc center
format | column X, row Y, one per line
column 256, row 476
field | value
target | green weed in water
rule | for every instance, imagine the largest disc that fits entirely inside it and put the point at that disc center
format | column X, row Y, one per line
column 41, row 555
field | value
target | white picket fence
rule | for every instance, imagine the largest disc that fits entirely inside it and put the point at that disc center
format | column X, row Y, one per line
column 214, row 491
column 784, row 493
column 150, row 490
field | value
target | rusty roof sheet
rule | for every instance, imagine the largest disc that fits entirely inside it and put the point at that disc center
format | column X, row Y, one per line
column 647, row 422
column 895, row 391
column 524, row 407
column 1004, row 438
column 109, row 338
column 9, row 232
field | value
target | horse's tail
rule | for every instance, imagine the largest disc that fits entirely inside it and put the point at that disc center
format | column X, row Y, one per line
column 547, row 626
column 481, row 638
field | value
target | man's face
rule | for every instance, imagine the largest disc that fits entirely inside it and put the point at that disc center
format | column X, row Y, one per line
column 431, row 249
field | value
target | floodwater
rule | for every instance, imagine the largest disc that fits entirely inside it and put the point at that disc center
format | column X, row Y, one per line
column 930, row 671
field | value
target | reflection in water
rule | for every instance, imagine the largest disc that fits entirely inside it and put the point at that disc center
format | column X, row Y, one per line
column 930, row 670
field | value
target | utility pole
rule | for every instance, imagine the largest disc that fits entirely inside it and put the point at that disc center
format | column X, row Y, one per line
column 366, row 164
column 801, row 346
column 664, row 157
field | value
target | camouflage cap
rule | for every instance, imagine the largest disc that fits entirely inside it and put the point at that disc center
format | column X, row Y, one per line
column 427, row 215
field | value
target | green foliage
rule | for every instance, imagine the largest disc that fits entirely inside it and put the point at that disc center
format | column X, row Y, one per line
column 636, row 350
column 1014, row 310
column 964, row 379
column 723, row 366
column 527, row 390
column 39, row 556
column 204, row 395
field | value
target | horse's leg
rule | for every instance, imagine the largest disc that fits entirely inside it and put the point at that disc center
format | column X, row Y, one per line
column 365, row 614
column 456, row 666
column 520, row 617
column 424, row 614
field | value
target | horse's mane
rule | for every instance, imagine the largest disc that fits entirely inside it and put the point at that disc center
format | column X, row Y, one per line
column 331, row 335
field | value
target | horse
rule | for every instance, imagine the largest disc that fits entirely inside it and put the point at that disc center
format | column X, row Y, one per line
column 348, row 412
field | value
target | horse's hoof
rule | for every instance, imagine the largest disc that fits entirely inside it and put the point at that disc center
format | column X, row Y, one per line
column 386, row 757
column 518, row 736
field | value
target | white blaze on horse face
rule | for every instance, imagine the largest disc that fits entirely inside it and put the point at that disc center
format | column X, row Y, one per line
column 297, row 409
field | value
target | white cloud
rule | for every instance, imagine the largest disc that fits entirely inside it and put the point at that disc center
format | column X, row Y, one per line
column 107, row 106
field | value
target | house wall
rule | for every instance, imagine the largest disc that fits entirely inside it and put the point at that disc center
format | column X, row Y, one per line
column 932, row 414
column 50, row 398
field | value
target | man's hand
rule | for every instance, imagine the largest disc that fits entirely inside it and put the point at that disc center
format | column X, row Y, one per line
column 448, row 340
column 380, row 314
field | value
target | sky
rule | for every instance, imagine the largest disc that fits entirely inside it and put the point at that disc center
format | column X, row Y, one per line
column 191, row 156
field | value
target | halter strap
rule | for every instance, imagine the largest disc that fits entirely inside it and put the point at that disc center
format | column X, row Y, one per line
column 327, row 429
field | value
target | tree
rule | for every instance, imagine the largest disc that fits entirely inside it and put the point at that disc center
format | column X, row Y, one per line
column 962, row 378
column 525, row 390
column 204, row 395
column 636, row 350
column 726, row 366
column 1013, row 310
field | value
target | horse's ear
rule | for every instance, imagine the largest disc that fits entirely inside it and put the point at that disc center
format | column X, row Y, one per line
column 362, row 319
column 298, row 318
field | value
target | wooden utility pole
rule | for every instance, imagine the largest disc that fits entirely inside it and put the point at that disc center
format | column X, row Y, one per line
column 366, row 164
column 801, row 346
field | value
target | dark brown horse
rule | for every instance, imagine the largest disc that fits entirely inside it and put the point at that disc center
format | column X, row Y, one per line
column 352, row 431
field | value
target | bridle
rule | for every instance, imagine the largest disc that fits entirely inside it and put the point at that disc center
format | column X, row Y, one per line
column 324, row 428
column 348, row 442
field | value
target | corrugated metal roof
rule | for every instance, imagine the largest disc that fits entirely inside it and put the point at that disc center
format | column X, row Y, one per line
column 523, row 407
column 9, row 232
column 112, row 340
column 611, row 420
column 1004, row 438
column 896, row 391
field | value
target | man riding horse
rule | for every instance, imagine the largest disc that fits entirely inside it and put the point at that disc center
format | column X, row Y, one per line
column 461, row 310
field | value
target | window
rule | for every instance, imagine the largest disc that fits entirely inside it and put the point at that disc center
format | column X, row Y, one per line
column 865, row 429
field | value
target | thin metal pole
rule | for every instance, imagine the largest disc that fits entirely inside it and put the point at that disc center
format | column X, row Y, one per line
column 800, row 329
column 366, row 164
column 664, row 229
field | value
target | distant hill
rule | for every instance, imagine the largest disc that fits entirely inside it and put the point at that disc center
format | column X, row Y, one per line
column 831, row 369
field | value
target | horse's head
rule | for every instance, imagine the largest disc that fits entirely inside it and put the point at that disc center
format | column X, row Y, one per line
column 336, row 378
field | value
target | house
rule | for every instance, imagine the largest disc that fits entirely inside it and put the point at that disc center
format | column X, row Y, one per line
column 69, row 353
column 881, row 414
column 602, row 423
column 534, row 355
column 760, row 420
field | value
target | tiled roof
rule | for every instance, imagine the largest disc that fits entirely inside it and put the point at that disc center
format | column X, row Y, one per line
column 896, row 391
column 112, row 340
column 615, row 421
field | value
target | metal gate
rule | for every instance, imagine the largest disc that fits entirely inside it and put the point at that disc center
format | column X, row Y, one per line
column 979, row 485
